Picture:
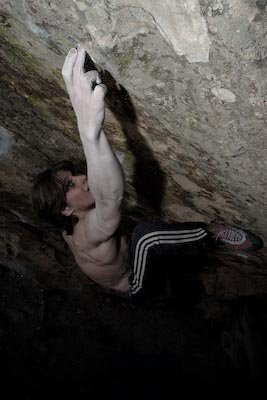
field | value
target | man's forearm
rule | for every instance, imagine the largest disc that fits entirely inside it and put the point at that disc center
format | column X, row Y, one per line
column 104, row 171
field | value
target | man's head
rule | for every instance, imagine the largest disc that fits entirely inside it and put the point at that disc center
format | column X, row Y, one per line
column 61, row 196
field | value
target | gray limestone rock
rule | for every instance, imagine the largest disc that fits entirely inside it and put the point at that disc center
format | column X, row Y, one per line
column 186, row 104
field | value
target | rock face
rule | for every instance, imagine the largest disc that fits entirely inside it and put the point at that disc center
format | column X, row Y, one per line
column 186, row 110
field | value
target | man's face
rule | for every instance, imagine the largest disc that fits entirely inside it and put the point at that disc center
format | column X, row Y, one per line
column 78, row 196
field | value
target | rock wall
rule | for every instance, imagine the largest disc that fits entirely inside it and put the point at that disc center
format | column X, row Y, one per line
column 186, row 110
column 186, row 107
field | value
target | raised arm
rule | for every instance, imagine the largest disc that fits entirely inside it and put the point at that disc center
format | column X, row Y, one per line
column 104, row 171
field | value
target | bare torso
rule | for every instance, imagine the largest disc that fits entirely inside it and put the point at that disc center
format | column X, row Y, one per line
column 107, row 264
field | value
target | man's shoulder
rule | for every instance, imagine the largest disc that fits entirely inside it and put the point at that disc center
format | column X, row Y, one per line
column 81, row 232
column 87, row 232
column 79, row 236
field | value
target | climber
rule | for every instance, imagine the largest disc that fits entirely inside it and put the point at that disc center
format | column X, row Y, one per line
column 87, row 208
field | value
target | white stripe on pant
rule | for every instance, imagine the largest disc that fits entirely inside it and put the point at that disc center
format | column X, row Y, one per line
column 156, row 238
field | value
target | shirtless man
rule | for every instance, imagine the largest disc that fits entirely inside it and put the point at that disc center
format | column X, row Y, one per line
column 98, row 210
column 88, row 208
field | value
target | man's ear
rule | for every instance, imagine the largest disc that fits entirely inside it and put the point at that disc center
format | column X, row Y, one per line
column 67, row 211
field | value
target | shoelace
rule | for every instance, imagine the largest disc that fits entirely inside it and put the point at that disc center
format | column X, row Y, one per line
column 231, row 235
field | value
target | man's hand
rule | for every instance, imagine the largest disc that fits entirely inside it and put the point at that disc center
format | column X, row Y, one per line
column 88, row 103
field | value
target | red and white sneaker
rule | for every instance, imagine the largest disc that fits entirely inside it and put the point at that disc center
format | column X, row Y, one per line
column 239, row 239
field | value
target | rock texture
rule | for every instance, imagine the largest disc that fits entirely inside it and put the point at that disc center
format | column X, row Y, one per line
column 186, row 110
column 201, row 68
column 197, row 152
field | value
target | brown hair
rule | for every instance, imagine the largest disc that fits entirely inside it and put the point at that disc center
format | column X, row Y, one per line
column 49, row 196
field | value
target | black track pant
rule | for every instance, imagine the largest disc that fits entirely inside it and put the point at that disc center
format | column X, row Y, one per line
column 155, row 242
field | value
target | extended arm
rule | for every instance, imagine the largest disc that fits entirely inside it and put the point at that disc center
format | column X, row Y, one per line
column 106, row 181
column 105, row 175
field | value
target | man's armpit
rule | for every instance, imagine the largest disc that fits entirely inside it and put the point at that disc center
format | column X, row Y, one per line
column 96, row 231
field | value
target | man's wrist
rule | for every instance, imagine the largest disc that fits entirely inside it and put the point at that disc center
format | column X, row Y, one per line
column 88, row 131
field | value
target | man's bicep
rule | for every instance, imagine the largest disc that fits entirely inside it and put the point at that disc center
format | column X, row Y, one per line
column 103, row 221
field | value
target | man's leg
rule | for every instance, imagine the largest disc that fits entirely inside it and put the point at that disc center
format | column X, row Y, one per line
column 152, row 240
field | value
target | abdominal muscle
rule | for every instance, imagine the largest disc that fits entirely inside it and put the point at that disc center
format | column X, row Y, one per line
column 106, row 264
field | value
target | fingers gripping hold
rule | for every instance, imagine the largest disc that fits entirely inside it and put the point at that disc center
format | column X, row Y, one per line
column 78, row 70
column 68, row 66
column 73, row 72
column 100, row 90
column 86, row 92
column 93, row 78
